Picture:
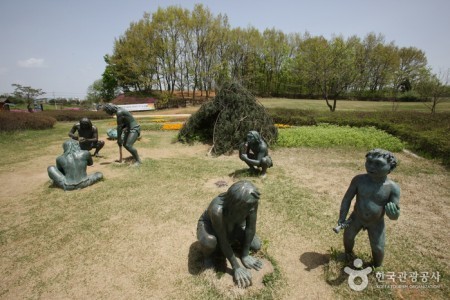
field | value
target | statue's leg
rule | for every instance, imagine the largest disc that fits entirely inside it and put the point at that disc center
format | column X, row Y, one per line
column 239, row 236
column 208, row 242
column 99, row 145
column 130, row 139
column 57, row 177
column 90, row 180
column 266, row 162
column 256, row 243
column 377, row 237
column 349, row 237
column 252, row 168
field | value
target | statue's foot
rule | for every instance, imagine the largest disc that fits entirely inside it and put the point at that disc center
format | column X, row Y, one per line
column 263, row 175
column 137, row 164
column 350, row 257
column 253, row 170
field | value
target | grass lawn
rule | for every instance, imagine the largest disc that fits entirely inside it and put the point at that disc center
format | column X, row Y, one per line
column 343, row 105
column 132, row 236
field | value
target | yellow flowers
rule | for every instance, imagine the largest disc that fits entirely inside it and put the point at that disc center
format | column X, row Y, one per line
column 172, row 126
column 282, row 126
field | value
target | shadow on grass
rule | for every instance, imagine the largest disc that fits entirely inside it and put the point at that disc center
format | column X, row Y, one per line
column 244, row 173
column 313, row 260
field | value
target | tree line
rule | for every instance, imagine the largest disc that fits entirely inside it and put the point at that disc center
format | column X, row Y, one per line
column 178, row 49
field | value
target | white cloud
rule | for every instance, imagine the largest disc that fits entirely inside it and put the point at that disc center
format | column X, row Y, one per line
column 31, row 63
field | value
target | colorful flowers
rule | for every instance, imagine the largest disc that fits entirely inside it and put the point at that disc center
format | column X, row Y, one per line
column 172, row 126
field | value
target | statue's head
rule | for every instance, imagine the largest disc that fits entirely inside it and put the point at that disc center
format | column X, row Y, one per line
column 241, row 195
column 381, row 161
column 85, row 123
column 253, row 136
column 71, row 146
column 110, row 109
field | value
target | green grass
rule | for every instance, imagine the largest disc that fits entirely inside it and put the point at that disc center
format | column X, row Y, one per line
column 347, row 105
column 327, row 136
column 48, row 235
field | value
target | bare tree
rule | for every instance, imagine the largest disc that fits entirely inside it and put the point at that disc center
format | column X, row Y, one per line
column 434, row 88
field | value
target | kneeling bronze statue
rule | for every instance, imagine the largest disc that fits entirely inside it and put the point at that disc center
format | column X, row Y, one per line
column 230, row 222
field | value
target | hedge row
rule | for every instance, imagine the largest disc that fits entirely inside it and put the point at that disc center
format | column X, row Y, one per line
column 425, row 133
column 75, row 115
column 11, row 121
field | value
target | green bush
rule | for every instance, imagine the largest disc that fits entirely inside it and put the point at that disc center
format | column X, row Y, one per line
column 12, row 121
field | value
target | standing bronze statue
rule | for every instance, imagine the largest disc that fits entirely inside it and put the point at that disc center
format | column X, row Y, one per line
column 128, row 125
column 70, row 171
column 255, row 153
column 230, row 222
column 87, row 135
column 376, row 195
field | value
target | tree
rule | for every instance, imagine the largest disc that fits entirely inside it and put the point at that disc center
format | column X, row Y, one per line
column 27, row 93
column 94, row 92
column 434, row 88
column 329, row 67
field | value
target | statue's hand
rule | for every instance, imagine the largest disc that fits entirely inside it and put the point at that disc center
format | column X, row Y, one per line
column 242, row 277
column 251, row 262
column 81, row 139
column 392, row 211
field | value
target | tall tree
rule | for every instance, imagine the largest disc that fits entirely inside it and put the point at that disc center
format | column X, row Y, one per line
column 27, row 93
column 412, row 68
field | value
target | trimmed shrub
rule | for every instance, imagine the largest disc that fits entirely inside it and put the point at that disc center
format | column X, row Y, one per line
column 12, row 121
column 75, row 115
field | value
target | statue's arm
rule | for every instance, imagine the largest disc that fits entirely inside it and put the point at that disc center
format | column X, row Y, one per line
column 250, row 230
column 59, row 165
column 347, row 200
column 220, row 229
column 72, row 132
column 392, row 208
column 120, row 125
column 259, row 156
column 94, row 137
column 88, row 157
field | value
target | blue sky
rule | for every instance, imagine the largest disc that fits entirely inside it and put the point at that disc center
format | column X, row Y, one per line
column 58, row 45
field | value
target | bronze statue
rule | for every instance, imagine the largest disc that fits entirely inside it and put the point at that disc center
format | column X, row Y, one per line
column 70, row 171
column 230, row 222
column 376, row 195
column 87, row 135
column 128, row 125
column 255, row 153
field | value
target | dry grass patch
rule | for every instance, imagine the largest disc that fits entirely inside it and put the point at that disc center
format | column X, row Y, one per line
column 132, row 236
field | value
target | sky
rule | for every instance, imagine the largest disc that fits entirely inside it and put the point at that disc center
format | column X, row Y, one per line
column 58, row 45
